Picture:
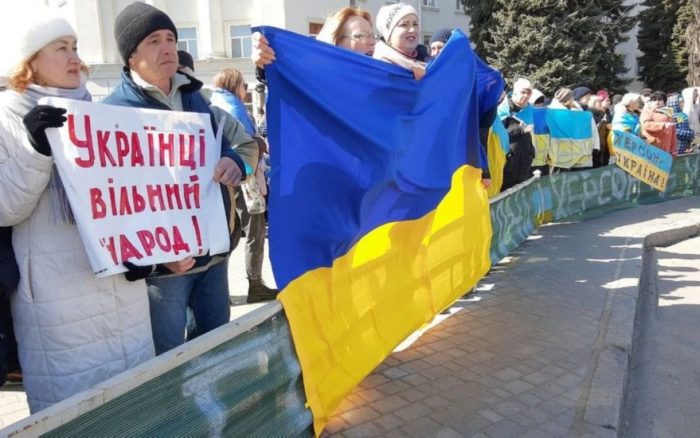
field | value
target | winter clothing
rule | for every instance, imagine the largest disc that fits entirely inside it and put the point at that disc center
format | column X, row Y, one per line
column 38, row 27
column 230, row 103
column 390, row 15
column 580, row 92
column 521, row 152
column 74, row 330
column 691, row 107
column 564, row 95
column 388, row 54
column 135, row 23
column 37, row 120
column 9, row 277
column 659, row 128
column 441, row 35
column 205, row 287
column 684, row 134
column 185, row 59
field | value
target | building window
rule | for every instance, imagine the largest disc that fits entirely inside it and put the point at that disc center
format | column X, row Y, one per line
column 460, row 6
column 426, row 39
column 240, row 42
column 430, row 3
column 315, row 28
column 187, row 40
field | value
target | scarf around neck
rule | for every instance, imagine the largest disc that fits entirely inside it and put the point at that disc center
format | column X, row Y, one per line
column 21, row 104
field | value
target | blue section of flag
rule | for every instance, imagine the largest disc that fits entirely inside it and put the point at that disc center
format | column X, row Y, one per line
column 357, row 143
column 567, row 124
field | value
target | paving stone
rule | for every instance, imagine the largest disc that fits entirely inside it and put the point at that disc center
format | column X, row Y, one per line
column 505, row 428
column 447, row 432
column 517, row 386
column 364, row 430
column 421, row 427
column 390, row 404
column 507, row 374
column 388, row 422
column 490, row 415
column 360, row 415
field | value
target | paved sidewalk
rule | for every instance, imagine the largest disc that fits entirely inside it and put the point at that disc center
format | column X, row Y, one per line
column 663, row 395
column 527, row 355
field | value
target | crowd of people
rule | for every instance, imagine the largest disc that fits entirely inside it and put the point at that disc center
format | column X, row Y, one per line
column 74, row 330
column 670, row 122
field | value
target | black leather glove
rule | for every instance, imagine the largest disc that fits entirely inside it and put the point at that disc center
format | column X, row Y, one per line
column 37, row 120
column 135, row 273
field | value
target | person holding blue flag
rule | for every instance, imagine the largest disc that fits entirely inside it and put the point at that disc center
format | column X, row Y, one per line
column 516, row 114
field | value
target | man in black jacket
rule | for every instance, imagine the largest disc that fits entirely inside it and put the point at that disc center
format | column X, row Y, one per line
column 9, row 277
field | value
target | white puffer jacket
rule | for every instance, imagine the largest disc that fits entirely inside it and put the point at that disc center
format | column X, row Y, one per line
column 73, row 330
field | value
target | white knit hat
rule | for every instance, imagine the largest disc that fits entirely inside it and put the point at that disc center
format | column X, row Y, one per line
column 26, row 31
column 522, row 84
column 390, row 15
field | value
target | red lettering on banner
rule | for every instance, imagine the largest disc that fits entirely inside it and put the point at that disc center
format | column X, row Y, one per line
column 179, row 244
column 202, row 148
column 153, row 193
column 187, row 153
column 83, row 144
column 166, row 146
column 139, row 201
column 148, row 242
column 172, row 191
column 191, row 192
column 136, row 153
column 99, row 209
column 163, row 239
column 122, row 140
column 197, row 233
column 103, row 149
column 127, row 249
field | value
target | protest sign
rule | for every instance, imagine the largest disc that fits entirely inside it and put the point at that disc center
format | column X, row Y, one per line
column 139, row 182
column 643, row 161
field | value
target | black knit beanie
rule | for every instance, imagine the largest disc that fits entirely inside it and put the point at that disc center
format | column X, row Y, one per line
column 136, row 22
column 441, row 35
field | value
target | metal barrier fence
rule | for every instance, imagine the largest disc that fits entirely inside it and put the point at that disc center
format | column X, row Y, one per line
column 244, row 379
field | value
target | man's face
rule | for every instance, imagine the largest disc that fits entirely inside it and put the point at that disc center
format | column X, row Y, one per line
column 584, row 99
column 522, row 96
column 155, row 58
column 436, row 48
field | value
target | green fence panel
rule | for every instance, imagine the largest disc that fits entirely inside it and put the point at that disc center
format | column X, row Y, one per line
column 249, row 386
column 587, row 193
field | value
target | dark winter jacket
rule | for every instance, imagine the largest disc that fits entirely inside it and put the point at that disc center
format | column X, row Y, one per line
column 521, row 153
column 9, row 278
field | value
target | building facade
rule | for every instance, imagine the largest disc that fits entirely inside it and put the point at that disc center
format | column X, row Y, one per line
column 217, row 32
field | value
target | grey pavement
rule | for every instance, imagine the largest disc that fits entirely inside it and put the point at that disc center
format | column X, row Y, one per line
column 663, row 397
column 541, row 349
column 13, row 402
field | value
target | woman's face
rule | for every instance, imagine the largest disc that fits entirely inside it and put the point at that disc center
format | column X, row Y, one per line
column 404, row 37
column 57, row 64
column 357, row 36
column 242, row 91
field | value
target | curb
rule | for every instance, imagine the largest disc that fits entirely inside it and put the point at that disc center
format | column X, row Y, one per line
column 603, row 407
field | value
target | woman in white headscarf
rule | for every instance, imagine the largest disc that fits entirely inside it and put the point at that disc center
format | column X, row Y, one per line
column 73, row 330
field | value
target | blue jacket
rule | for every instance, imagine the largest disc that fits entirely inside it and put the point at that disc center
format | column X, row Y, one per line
column 230, row 103
column 128, row 93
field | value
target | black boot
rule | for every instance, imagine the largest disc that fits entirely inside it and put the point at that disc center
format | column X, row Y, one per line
column 257, row 291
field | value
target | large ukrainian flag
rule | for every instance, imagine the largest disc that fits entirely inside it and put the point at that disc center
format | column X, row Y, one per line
column 378, row 220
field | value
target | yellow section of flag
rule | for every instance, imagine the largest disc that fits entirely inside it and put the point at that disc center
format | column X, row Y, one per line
column 347, row 318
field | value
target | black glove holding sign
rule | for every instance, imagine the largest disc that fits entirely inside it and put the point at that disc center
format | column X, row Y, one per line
column 37, row 120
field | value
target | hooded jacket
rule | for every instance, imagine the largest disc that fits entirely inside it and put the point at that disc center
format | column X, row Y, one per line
column 684, row 134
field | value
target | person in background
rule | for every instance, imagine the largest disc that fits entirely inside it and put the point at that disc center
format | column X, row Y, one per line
column 601, row 156
column 438, row 41
column 147, row 41
column 350, row 28
column 581, row 96
column 645, row 95
column 658, row 124
column 691, row 107
column 185, row 63
column 229, row 95
column 74, row 330
column 513, row 112
column 399, row 28
column 537, row 99
column 9, row 278
column 684, row 133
